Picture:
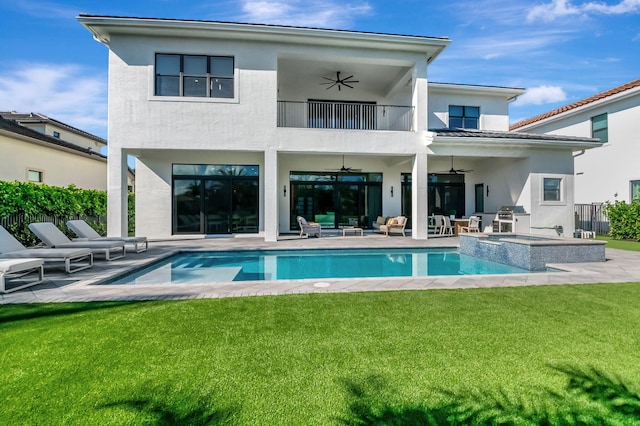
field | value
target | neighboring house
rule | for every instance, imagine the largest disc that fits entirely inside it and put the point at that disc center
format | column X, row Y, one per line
column 240, row 128
column 613, row 172
column 32, row 154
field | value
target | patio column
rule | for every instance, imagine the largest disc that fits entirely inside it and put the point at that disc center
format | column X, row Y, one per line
column 271, row 219
column 419, row 199
column 117, row 170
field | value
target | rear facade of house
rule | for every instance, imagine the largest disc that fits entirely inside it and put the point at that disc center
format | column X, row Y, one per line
column 240, row 128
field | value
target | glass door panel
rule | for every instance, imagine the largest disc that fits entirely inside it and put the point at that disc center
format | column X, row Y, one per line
column 348, row 205
column 186, row 196
column 324, row 206
column 217, row 206
column 244, row 213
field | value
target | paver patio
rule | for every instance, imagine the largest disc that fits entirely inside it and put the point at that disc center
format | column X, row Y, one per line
column 621, row 266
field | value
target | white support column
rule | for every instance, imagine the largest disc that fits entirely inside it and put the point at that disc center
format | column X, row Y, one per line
column 117, row 219
column 271, row 219
column 419, row 199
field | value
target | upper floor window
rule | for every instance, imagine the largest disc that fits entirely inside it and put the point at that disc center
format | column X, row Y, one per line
column 600, row 127
column 635, row 190
column 194, row 76
column 56, row 134
column 464, row 117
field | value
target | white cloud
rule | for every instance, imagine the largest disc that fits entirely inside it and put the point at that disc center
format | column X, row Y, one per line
column 65, row 92
column 313, row 13
column 44, row 9
column 541, row 95
column 563, row 8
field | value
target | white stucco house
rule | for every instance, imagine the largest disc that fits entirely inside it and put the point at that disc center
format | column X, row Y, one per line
column 240, row 128
column 612, row 172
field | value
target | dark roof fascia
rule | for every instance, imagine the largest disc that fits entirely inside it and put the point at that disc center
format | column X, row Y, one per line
column 39, row 118
column 13, row 127
column 526, row 139
column 249, row 24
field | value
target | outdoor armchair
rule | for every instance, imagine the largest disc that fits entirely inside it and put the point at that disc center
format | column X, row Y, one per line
column 75, row 259
column 394, row 225
column 49, row 234
column 309, row 228
column 83, row 230
column 474, row 225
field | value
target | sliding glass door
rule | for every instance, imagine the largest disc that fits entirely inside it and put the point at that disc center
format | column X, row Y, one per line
column 217, row 200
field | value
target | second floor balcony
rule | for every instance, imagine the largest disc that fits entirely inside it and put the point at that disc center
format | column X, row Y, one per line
column 344, row 115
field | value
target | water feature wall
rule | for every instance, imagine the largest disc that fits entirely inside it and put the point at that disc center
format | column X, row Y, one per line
column 529, row 251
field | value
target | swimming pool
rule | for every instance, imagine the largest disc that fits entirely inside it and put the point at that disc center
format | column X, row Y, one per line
column 212, row 267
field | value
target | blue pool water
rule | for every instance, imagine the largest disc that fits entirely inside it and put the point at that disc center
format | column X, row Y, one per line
column 209, row 267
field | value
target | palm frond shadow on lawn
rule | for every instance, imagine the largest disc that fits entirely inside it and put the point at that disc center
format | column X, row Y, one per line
column 167, row 407
column 37, row 310
column 591, row 397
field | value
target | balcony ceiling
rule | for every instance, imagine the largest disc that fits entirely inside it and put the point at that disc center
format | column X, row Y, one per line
column 307, row 74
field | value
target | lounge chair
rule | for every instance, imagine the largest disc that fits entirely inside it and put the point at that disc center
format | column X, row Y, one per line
column 54, row 238
column 11, row 269
column 474, row 225
column 309, row 228
column 84, row 231
column 447, row 228
column 394, row 225
column 75, row 259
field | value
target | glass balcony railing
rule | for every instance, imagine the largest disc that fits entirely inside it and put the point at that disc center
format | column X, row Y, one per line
column 344, row 115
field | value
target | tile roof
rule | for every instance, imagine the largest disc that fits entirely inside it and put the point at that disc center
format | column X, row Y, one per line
column 577, row 104
column 469, row 133
column 34, row 117
column 14, row 127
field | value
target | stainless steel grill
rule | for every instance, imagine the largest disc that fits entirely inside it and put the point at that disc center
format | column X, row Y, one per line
column 508, row 216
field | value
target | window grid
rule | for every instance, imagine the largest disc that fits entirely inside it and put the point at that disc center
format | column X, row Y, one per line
column 464, row 117
column 600, row 127
column 194, row 76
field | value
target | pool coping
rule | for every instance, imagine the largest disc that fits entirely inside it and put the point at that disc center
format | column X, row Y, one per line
column 621, row 266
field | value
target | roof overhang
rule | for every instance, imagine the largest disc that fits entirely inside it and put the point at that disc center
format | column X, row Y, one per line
column 103, row 27
column 510, row 93
column 450, row 137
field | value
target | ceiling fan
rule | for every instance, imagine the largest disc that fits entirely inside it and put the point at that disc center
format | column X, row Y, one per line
column 454, row 171
column 339, row 81
column 344, row 169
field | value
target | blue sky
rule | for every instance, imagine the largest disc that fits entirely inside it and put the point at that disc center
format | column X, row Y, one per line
column 560, row 50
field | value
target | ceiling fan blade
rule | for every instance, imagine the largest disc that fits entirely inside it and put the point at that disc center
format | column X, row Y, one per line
column 330, row 79
column 345, row 84
column 332, row 86
column 347, row 78
column 350, row 81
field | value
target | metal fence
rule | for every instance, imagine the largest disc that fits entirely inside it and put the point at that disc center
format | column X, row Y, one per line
column 344, row 115
column 590, row 217
column 18, row 219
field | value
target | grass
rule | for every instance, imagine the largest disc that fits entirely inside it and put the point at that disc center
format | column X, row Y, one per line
column 529, row 355
column 621, row 244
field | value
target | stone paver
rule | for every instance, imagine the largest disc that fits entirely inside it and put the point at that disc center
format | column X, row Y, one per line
column 621, row 266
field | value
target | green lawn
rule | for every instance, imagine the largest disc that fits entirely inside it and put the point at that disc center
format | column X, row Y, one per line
column 621, row 244
column 529, row 355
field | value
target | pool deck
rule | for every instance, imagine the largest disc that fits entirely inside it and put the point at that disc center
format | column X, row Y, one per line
column 621, row 266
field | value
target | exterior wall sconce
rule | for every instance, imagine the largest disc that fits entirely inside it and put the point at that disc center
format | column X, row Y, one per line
column 487, row 190
column 392, row 191
column 284, row 190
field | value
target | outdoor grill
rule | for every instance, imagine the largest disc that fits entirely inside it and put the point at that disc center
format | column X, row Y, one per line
column 507, row 217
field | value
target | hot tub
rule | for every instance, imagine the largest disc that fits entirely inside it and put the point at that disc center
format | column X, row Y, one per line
column 531, row 252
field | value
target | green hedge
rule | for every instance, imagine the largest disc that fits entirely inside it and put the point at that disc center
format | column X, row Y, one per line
column 29, row 200
column 624, row 220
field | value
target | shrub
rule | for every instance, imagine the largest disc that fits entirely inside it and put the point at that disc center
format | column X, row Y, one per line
column 34, row 202
column 624, row 220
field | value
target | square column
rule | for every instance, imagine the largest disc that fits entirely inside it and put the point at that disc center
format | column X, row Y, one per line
column 419, row 197
column 271, row 219
column 117, row 212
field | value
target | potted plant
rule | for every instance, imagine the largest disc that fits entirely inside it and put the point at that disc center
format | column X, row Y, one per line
column 452, row 213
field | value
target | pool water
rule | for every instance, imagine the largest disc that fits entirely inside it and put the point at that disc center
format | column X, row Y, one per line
column 211, row 267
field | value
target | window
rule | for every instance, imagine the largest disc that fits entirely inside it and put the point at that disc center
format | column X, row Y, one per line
column 56, row 134
column 35, row 176
column 464, row 117
column 635, row 190
column 552, row 189
column 600, row 127
column 194, row 76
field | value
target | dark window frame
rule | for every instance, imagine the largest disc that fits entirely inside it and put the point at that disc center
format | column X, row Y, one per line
column 467, row 118
column 228, row 80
